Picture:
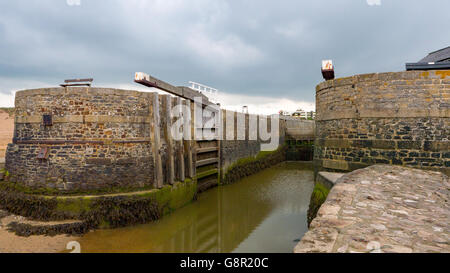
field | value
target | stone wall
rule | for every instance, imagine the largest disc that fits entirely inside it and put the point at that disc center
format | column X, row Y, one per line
column 398, row 118
column 299, row 129
column 241, row 147
column 99, row 139
column 103, row 140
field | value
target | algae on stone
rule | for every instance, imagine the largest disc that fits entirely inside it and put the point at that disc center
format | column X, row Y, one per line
column 253, row 164
column 318, row 197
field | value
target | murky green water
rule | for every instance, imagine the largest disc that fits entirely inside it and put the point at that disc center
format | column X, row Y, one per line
column 262, row 213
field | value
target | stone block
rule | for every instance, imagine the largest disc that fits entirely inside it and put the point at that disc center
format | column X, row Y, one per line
column 436, row 146
column 409, row 145
column 383, row 144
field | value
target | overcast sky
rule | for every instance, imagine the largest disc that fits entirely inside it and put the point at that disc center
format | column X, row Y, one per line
column 257, row 52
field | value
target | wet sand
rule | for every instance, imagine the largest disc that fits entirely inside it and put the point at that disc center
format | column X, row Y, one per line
column 11, row 243
column 6, row 131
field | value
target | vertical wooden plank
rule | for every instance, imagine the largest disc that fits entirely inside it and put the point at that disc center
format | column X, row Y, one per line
column 169, row 140
column 240, row 126
column 194, row 141
column 219, row 145
column 151, row 133
column 187, row 126
column 180, row 148
column 176, row 146
column 157, row 143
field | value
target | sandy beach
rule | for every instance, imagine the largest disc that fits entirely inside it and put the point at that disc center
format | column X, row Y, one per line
column 11, row 243
column 6, row 131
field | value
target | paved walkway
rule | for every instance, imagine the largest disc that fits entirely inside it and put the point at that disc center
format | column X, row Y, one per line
column 383, row 209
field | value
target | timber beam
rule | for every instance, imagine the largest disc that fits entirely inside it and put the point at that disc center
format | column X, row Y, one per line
column 180, row 91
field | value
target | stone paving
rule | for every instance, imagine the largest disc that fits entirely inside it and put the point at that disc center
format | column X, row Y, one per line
column 383, row 208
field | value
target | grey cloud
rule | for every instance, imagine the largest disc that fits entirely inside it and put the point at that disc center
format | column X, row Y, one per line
column 254, row 47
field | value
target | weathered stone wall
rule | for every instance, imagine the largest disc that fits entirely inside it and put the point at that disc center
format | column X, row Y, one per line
column 398, row 118
column 299, row 129
column 241, row 147
column 99, row 139
column 102, row 140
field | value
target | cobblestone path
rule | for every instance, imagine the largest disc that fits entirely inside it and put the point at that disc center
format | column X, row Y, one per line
column 383, row 209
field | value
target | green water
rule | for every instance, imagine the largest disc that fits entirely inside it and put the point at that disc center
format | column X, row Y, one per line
column 266, row 212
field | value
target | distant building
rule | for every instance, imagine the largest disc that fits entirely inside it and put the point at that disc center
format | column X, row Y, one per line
column 284, row 113
column 302, row 114
column 439, row 59
column 311, row 115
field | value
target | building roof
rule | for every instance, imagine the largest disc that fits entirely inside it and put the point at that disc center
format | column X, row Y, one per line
column 442, row 55
column 439, row 59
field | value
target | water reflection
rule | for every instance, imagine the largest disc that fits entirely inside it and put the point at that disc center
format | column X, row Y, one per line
column 262, row 213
